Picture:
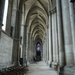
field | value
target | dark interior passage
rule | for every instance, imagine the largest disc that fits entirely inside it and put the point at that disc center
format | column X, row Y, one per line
column 38, row 55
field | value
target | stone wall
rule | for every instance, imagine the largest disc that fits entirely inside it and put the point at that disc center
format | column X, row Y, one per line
column 5, row 50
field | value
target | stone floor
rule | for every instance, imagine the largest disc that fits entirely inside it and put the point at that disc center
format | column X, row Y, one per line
column 40, row 68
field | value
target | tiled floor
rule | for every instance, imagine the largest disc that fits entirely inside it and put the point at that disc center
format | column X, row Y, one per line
column 40, row 68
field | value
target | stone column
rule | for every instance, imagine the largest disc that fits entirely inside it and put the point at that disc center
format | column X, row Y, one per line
column 13, row 16
column 16, row 34
column 34, row 53
column 46, row 47
column 53, row 36
column 41, row 51
column 16, row 40
column 60, row 33
column 51, row 33
column 55, row 42
column 56, row 34
column 2, row 4
column 22, row 44
column 32, row 47
column 67, row 33
column 23, row 37
column 44, row 50
column 47, row 43
column 72, row 18
column 50, row 46
column 27, row 46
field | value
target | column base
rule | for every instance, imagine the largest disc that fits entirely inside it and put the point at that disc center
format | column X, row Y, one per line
column 26, row 63
column 67, row 70
column 54, row 65
column 49, row 62
column 17, row 64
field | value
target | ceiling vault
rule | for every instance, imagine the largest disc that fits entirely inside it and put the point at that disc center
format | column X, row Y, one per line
column 36, row 17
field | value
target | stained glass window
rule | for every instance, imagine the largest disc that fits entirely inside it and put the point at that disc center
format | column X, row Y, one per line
column 38, row 47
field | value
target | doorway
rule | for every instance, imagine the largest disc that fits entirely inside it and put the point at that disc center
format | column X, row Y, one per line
column 38, row 52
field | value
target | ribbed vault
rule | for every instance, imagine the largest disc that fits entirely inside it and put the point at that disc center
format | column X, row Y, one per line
column 36, row 18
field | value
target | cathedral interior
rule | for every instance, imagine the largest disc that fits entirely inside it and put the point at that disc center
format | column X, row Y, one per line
column 35, row 33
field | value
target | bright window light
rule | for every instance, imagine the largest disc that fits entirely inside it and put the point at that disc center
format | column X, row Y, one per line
column 5, row 15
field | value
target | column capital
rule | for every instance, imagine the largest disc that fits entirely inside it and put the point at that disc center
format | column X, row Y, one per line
column 16, row 9
column 52, row 11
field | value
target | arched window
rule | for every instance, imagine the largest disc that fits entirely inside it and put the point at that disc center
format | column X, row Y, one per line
column 5, row 15
column 38, row 46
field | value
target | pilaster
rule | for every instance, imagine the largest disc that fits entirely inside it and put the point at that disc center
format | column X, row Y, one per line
column 72, row 18
column 60, row 34
column 50, row 39
column 67, row 33
column 27, row 45
column 16, row 34
column 68, row 43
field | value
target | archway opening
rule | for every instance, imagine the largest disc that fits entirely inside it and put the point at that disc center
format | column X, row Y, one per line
column 38, row 51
